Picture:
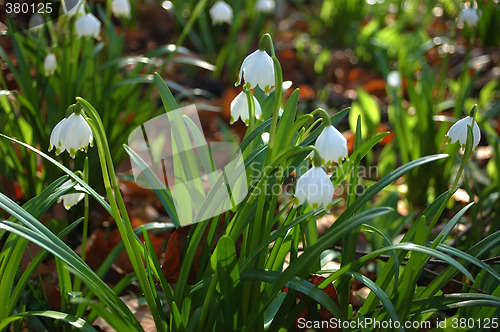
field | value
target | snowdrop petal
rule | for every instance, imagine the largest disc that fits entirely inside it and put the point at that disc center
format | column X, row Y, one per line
column 265, row 6
column 88, row 26
column 71, row 134
column 332, row 145
column 315, row 188
column 458, row 132
column 121, row 8
column 221, row 12
column 258, row 70
column 470, row 16
column 239, row 108
column 70, row 200
column 55, row 137
column 50, row 64
column 394, row 79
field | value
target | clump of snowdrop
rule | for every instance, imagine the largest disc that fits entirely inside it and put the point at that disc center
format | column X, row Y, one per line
column 239, row 108
column 70, row 200
column 71, row 134
column 221, row 12
column 257, row 70
column 331, row 145
column 50, row 64
column 315, row 188
column 121, row 8
column 265, row 6
column 458, row 132
column 88, row 26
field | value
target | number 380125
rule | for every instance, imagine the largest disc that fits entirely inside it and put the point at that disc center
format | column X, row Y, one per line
column 28, row 8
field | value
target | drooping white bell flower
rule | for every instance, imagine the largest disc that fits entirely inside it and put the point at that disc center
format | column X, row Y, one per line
column 221, row 12
column 469, row 16
column 332, row 146
column 121, row 8
column 50, row 64
column 265, row 6
column 315, row 188
column 71, row 134
column 394, row 79
column 239, row 108
column 257, row 70
column 70, row 200
column 458, row 132
column 88, row 26
column 77, row 9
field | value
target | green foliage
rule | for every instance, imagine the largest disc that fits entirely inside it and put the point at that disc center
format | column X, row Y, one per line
column 256, row 266
column 114, row 83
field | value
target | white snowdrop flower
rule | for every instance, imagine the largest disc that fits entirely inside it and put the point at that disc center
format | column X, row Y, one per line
column 469, row 16
column 257, row 70
column 70, row 200
column 121, row 8
column 265, row 137
column 71, row 134
column 54, row 137
column 88, row 26
column 36, row 22
column 458, row 132
column 239, row 108
column 332, row 146
column 315, row 188
column 221, row 12
column 394, row 79
column 50, row 64
column 77, row 9
column 265, row 6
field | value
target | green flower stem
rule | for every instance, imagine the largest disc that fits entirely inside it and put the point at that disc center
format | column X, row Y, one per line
column 251, row 110
column 324, row 116
column 85, row 231
column 108, row 16
column 310, row 128
column 72, row 109
column 234, row 229
column 297, row 125
column 267, row 40
column 207, row 304
column 279, row 241
column 350, row 240
column 316, row 161
column 86, row 212
column 465, row 158
column 278, row 90
column 119, row 211
column 398, row 115
column 256, row 230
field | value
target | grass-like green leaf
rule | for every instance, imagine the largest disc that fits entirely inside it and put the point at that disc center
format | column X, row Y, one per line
column 78, row 323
